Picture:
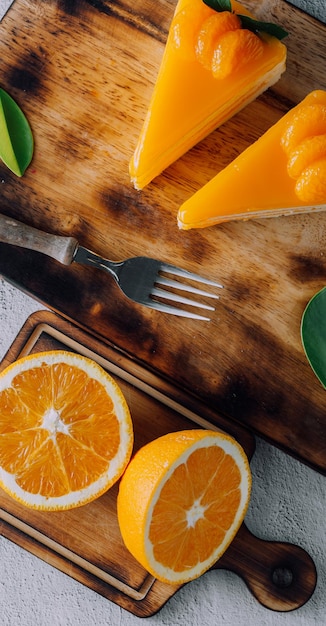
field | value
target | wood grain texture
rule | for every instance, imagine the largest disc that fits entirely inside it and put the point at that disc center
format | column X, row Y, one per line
column 83, row 73
column 86, row 544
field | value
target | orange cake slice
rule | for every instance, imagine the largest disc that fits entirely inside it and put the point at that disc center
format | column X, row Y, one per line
column 282, row 173
column 211, row 68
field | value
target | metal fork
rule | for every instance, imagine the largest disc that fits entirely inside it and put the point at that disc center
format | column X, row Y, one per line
column 142, row 279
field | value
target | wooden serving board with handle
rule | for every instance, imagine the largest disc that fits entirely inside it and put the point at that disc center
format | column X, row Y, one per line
column 83, row 73
column 86, row 543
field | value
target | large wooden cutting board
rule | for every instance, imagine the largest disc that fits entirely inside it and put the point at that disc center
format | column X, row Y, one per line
column 83, row 73
column 86, row 544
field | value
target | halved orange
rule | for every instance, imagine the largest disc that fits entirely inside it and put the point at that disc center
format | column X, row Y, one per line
column 66, row 433
column 181, row 501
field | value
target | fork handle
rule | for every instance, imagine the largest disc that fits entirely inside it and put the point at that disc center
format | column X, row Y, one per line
column 58, row 247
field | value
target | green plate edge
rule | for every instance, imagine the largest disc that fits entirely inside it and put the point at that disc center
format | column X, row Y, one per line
column 313, row 334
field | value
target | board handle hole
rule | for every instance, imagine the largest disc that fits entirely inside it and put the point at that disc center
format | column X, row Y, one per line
column 282, row 577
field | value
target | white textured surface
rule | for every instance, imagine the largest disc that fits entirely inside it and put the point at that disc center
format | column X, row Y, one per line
column 4, row 6
column 288, row 504
column 316, row 8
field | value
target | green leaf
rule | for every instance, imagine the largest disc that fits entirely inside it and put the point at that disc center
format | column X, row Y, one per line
column 266, row 27
column 313, row 334
column 248, row 22
column 219, row 5
column 16, row 138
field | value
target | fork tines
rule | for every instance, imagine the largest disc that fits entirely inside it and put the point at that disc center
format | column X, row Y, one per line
column 167, row 282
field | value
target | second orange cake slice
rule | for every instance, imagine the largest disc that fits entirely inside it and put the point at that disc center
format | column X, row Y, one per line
column 282, row 173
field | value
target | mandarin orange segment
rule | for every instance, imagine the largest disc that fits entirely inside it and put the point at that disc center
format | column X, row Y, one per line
column 66, row 433
column 311, row 185
column 235, row 49
column 307, row 152
column 304, row 142
column 210, row 32
column 307, row 121
column 185, row 26
column 187, row 494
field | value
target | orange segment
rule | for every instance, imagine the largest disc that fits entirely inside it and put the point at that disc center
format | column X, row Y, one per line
column 14, row 414
column 210, row 32
column 235, row 49
column 33, row 389
column 43, row 473
column 16, row 448
column 311, row 185
column 307, row 121
column 304, row 142
column 185, row 26
column 65, row 430
column 187, row 494
column 307, row 152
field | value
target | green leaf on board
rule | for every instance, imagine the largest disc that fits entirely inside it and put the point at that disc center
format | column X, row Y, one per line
column 16, row 138
column 313, row 334
column 248, row 22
